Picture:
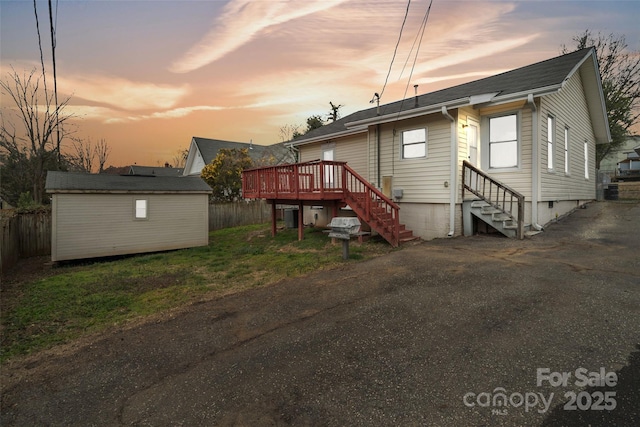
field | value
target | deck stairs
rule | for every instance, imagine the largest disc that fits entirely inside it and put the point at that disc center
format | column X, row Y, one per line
column 378, row 217
column 495, row 217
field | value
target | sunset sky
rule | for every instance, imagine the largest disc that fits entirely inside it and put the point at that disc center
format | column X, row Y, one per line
column 149, row 75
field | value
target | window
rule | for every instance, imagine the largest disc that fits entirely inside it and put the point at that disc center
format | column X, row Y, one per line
column 414, row 143
column 141, row 209
column 566, row 150
column 586, row 160
column 550, row 132
column 503, row 141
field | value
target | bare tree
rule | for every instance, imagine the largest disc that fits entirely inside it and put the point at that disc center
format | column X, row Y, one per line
column 38, row 118
column 334, row 114
column 84, row 154
column 102, row 151
column 620, row 72
column 180, row 158
column 288, row 132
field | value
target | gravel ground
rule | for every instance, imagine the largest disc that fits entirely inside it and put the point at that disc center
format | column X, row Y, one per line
column 452, row 332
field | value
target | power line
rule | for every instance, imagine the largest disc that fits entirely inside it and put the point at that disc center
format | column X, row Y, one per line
column 406, row 13
column 415, row 58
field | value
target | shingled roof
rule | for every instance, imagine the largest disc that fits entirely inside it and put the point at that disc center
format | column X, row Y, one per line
column 539, row 78
column 72, row 182
column 154, row 170
column 209, row 148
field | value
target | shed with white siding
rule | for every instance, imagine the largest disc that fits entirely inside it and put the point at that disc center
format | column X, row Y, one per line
column 100, row 215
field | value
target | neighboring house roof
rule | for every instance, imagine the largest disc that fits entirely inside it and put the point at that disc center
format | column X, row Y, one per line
column 203, row 150
column 538, row 79
column 209, row 148
column 70, row 182
column 154, row 170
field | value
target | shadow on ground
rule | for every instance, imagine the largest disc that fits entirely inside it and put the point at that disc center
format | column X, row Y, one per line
column 626, row 412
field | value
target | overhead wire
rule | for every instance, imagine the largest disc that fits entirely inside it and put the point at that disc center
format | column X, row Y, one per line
column 395, row 51
column 423, row 27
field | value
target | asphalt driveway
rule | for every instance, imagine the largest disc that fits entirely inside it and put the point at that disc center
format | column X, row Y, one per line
column 456, row 332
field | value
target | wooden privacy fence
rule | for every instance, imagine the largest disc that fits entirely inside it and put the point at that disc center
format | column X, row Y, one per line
column 24, row 235
column 29, row 234
column 223, row 215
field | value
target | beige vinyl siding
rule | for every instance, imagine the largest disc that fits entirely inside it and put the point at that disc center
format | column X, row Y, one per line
column 519, row 179
column 96, row 225
column 350, row 149
column 569, row 107
column 353, row 150
column 310, row 152
column 421, row 179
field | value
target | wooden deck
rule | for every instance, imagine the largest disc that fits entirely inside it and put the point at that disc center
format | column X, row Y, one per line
column 325, row 182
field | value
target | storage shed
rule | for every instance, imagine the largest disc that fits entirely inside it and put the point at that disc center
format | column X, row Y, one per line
column 106, row 215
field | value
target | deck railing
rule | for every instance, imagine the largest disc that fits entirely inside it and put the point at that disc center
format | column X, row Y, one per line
column 494, row 192
column 294, row 181
column 325, row 180
column 377, row 210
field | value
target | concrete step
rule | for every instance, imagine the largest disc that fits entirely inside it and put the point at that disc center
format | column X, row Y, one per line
column 479, row 204
column 500, row 216
column 490, row 210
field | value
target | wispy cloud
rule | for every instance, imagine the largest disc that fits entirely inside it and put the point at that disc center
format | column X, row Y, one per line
column 169, row 114
column 239, row 23
column 122, row 93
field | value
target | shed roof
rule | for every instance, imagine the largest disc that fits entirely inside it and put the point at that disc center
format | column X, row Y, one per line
column 71, row 182
column 155, row 170
column 539, row 78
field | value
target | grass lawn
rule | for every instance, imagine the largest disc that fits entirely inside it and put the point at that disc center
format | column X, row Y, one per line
column 74, row 300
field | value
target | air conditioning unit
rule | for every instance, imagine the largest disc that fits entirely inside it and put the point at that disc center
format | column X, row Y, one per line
column 398, row 193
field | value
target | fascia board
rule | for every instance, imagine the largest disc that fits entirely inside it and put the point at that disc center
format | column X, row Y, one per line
column 349, row 132
column 409, row 114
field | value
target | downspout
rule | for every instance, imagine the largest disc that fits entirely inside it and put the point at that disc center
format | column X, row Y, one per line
column 453, row 185
column 378, row 154
column 535, row 162
column 296, row 153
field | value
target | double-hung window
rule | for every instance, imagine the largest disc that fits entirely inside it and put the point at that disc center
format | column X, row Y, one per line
column 503, row 141
column 414, row 143
column 550, row 133
column 566, row 150
column 586, row 159
column 141, row 209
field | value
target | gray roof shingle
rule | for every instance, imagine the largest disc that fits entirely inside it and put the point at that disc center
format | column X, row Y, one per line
column 155, row 170
column 535, row 76
column 62, row 182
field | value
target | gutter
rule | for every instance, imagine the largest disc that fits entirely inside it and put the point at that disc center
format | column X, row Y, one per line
column 453, row 185
column 347, row 132
column 408, row 114
column 535, row 162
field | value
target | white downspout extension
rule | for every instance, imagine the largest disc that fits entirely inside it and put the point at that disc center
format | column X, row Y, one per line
column 453, row 184
column 535, row 163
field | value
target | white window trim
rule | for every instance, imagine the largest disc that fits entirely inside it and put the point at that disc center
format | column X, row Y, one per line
column 485, row 143
column 586, row 160
column 135, row 209
column 426, row 143
column 551, row 142
column 567, row 154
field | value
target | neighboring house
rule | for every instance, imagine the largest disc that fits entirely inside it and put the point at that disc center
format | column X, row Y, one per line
column 203, row 150
column 167, row 170
column 105, row 215
column 621, row 157
column 532, row 130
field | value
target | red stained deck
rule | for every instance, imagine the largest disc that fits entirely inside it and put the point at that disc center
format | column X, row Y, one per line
column 322, row 182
